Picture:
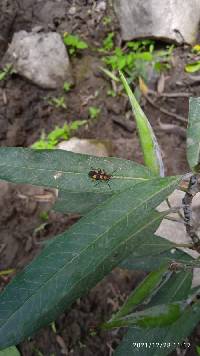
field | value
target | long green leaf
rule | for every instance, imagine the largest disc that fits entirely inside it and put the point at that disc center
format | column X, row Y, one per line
column 166, row 289
column 150, row 148
column 160, row 341
column 193, row 133
column 76, row 260
column 175, row 289
column 156, row 316
column 142, row 291
column 67, row 170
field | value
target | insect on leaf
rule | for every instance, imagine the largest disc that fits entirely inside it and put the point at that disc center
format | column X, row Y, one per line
column 67, row 170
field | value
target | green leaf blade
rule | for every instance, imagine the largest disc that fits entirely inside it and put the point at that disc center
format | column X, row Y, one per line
column 76, row 260
column 67, row 170
column 141, row 292
column 156, row 316
column 161, row 340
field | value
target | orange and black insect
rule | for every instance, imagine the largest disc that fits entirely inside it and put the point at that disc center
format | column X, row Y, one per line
column 99, row 175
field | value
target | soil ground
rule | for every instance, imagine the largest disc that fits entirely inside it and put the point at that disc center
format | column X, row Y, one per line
column 24, row 113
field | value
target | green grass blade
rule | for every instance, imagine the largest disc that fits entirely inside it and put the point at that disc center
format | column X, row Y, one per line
column 150, row 148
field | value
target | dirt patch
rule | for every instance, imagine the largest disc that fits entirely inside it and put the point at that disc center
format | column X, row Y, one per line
column 25, row 112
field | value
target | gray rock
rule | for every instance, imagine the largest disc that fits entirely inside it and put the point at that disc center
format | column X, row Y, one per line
column 171, row 20
column 100, row 148
column 40, row 57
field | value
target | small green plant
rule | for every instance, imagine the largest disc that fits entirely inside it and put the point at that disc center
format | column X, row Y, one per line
column 108, row 42
column 44, row 216
column 67, row 87
column 57, row 102
column 194, row 66
column 196, row 49
column 74, row 43
column 111, row 92
column 163, row 58
column 106, row 20
column 6, row 71
column 119, row 228
column 94, row 112
column 136, row 57
column 141, row 45
column 59, row 133
column 126, row 61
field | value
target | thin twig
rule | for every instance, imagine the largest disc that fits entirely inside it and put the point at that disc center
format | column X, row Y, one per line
column 178, row 211
column 171, row 128
column 191, row 246
column 170, row 95
column 165, row 111
column 171, row 218
column 193, row 189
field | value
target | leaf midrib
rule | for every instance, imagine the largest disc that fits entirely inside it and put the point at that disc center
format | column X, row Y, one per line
column 74, row 173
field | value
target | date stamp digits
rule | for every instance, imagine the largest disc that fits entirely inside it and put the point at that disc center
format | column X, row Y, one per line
column 160, row 345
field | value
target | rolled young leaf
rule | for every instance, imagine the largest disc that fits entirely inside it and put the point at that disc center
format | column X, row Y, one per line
column 160, row 341
column 156, row 316
column 150, row 148
column 143, row 291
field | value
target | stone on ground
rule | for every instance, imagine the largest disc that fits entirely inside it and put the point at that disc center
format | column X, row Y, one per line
column 100, row 148
column 40, row 57
column 169, row 20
